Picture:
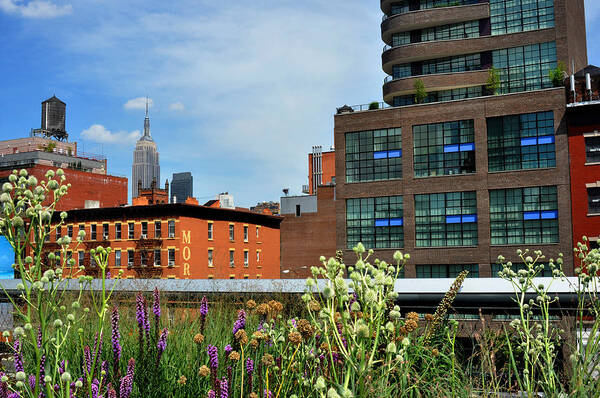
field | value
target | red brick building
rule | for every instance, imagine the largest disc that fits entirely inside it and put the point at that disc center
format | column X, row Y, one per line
column 178, row 241
column 584, row 153
column 91, row 186
column 321, row 169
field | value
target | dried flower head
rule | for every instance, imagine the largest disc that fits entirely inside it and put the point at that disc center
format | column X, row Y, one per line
column 251, row 304
column 410, row 325
column 305, row 328
column 241, row 337
column 234, row 356
column 267, row 360
column 428, row 317
column 275, row 306
column 262, row 309
column 435, row 352
column 258, row 335
column 253, row 395
column 295, row 338
column 254, row 343
column 199, row 338
column 203, row 371
column 182, row 380
column 412, row 315
column 314, row 306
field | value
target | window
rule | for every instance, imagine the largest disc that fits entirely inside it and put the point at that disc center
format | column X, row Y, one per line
column 298, row 212
column 464, row 30
column 231, row 258
column 93, row 235
column 144, row 229
column 81, row 228
column 461, row 63
column 376, row 222
column 520, row 15
column 402, row 70
column 105, row 231
column 546, row 272
column 117, row 258
column 171, row 253
column 130, row 258
column 130, row 230
column 525, row 68
column 444, row 148
column 210, row 230
column 258, row 256
column 446, row 270
column 524, row 216
column 400, row 39
column 399, row 7
column 157, row 258
column 231, row 232
column 210, row 257
column 374, row 155
column 592, row 149
column 257, row 229
column 157, row 229
column 171, row 226
column 58, row 232
column 144, row 258
column 425, row 4
column 70, row 231
column 118, row 230
column 245, row 258
column 81, row 258
column 245, row 233
column 47, row 233
column 519, row 142
column 593, row 200
column 69, row 257
column 446, row 219
column 441, row 96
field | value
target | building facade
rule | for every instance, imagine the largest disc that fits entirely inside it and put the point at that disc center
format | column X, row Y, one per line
column 146, row 165
column 584, row 149
column 176, row 241
column 471, row 161
column 321, row 169
column 182, row 187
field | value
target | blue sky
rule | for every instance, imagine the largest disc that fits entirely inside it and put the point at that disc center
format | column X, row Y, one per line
column 7, row 258
column 241, row 90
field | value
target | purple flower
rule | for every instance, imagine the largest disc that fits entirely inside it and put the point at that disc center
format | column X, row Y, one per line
column 39, row 337
column 111, row 392
column 142, row 316
column 228, row 349
column 240, row 323
column 156, row 305
column 211, row 394
column 127, row 381
column 3, row 387
column 95, row 388
column 224, row 388
column 14, row 395
column 249, row 365
column 18, row 356
column 162, row 343
column 97, row 347
column 268, row 393
column 203, row 308
column 108, row 275
column 87, row 356
column 116, row 335
column 294, row 323
column 32, row 382
column 42, row 368
column 213, row 356
column 62, row 366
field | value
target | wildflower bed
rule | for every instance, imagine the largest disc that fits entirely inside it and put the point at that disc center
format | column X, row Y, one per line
column 348, row 339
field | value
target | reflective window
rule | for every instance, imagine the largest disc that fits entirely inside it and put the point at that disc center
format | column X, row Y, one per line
column 374, row 155
column 376, row 222
column 446, row 270
column 510, row 16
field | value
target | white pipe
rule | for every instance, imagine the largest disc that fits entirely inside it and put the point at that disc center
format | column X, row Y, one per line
column 588, row 82
column 572, row 82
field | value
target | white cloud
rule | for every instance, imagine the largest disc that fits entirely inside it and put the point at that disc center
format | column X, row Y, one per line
column 99, row 133
column 177, row 106
column 35, row 9
column 138, row 103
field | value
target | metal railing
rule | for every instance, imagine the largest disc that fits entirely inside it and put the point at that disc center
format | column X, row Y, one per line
column 367, row 107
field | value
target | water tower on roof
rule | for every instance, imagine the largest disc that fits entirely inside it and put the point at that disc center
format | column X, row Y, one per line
column 53, row 120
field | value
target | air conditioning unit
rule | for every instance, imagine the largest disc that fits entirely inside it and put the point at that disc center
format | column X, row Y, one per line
column 144, row 236
column 105, row 237
column 171, row 263
column 130, row 264
column 171, row 235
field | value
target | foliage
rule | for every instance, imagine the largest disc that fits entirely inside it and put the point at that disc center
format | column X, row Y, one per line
column 373, row 105
column 493, row 81
column 558, row 74
column 420, row 92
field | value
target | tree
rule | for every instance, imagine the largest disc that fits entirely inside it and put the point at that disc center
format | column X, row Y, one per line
column 420, row 92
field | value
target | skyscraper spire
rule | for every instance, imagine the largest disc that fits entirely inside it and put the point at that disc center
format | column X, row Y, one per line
column 147, row 124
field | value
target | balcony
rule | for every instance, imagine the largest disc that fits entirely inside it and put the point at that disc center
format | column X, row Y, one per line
column 432, row 17
column 438, row 82
column 448, row 48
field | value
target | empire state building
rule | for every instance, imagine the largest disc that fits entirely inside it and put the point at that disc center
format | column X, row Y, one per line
column 146, row 167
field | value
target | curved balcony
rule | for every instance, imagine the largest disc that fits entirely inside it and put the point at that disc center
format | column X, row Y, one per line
column 438, row 82
column 448, row 48
column 432, row 17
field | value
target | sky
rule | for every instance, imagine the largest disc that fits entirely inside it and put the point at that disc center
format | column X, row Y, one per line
column 240, row 91
column 7, row 258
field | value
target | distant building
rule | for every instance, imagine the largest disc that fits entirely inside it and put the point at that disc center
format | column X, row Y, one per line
column 271, row 207
column 307, row 231
column 223, row 200
column 182, row 187
column 91, row 186
column 152, row 195
column 583, row 124
column 321, row 169
column 175, row 241
column 146, row 166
